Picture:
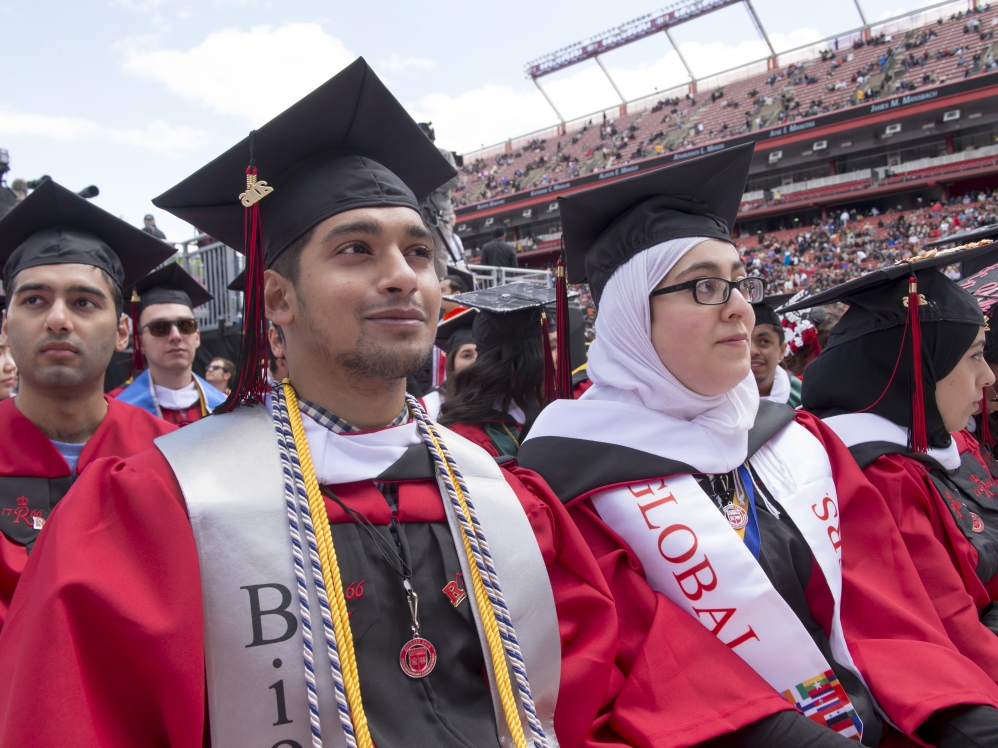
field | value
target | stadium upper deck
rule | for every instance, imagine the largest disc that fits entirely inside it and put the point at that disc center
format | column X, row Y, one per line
column 900, row 106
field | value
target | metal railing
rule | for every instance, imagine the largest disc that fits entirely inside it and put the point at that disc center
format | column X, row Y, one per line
column 213, row 266
column 487, row 276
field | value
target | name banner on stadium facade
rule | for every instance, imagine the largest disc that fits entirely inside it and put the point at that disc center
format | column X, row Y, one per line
column 893, row 104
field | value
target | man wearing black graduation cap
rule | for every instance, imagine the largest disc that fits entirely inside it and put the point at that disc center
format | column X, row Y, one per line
column 166, row 335
column 775, row 383
column 66, row 263
column 304, row 571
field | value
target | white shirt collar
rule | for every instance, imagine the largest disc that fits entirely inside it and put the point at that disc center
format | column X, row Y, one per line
column 180, row 399
column 780, row 393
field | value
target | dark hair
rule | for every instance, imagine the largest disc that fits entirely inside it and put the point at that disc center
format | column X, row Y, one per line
column 496, row 233
column 288, row 262
column 116, row 295
column 508, row 373
column 778, row 329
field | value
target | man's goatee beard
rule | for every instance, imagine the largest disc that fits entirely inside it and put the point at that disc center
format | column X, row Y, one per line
column 368, row 362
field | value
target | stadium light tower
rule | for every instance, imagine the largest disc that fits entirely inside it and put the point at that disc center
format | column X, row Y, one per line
column 627, row 33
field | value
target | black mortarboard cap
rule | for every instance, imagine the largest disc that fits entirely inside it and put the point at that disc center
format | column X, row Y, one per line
column 348, row 144
column 510, row 312
column 170, row 285
column 912, row 293
column 882, row 295
column 54, row 226
column 456, row 331
column 239, row 282
column 604, row 227
column 765, row 310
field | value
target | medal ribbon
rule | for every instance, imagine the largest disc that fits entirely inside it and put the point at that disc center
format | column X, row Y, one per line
column 753, row 540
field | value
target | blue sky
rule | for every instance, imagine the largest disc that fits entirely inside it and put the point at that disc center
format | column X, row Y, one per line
column 133, row 95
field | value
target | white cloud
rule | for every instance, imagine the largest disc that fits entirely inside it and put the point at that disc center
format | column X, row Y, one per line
column 158, row 136
column 253, row 74
column 485, row 115
column 396, row 63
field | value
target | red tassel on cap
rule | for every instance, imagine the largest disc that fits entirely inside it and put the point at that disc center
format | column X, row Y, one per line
column 986, row 438
column 917, row 431
column 138, row 363
column 550, row 376
column 251, row 374
column 564, row 374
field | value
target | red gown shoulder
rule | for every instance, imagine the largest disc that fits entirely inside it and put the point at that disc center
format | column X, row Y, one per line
column 945, row 560
column 894, row 633
column 105, row 633
column 124, row 431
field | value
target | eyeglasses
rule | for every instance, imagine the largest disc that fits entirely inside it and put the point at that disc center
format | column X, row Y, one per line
column 160, row 328
column 714, row 291
column 215, row 367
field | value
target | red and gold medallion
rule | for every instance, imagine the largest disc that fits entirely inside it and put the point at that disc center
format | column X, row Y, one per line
column 977, row 523
column 418, row 658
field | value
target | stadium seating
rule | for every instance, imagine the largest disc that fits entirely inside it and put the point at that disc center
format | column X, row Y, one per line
column 884, row 66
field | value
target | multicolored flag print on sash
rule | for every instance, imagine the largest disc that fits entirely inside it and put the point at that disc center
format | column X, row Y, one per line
column 824, row 700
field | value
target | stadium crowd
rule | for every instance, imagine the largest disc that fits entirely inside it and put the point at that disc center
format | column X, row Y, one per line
column 844, row 75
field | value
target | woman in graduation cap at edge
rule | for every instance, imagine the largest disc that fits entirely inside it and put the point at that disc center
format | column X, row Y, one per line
column 493, row 401
column 754, row 609
column 908, row 434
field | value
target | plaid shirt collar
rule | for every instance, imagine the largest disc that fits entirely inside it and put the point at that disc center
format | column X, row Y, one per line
column 336, row 424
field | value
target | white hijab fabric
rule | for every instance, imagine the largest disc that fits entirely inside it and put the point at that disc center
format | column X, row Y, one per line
column 624, row 366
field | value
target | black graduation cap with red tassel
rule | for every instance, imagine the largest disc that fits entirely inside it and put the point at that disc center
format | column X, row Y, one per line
column 910, row 293
column 347, row 145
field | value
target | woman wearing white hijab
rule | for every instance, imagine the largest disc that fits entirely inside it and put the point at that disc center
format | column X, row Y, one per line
column 752, row 611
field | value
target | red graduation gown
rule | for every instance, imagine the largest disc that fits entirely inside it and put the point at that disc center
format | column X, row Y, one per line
column 672, row 673
column 944, row 558
column 110, row 648
column 125, row 430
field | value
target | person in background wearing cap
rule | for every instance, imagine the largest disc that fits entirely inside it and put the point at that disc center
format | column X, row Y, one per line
column 493, row 401
column 766, row 351
column 438, row 211
column 757, row 602
column 168, row 338
column 456, row 282
column 459, row 352
column 66, row 262
column 908, row 435
column 235, row 571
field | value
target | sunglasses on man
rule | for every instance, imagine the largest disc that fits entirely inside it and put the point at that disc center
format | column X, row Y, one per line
column 160, row 328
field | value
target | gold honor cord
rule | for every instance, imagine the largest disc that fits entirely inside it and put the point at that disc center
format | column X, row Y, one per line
column 330, row 573
column 485, row 611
